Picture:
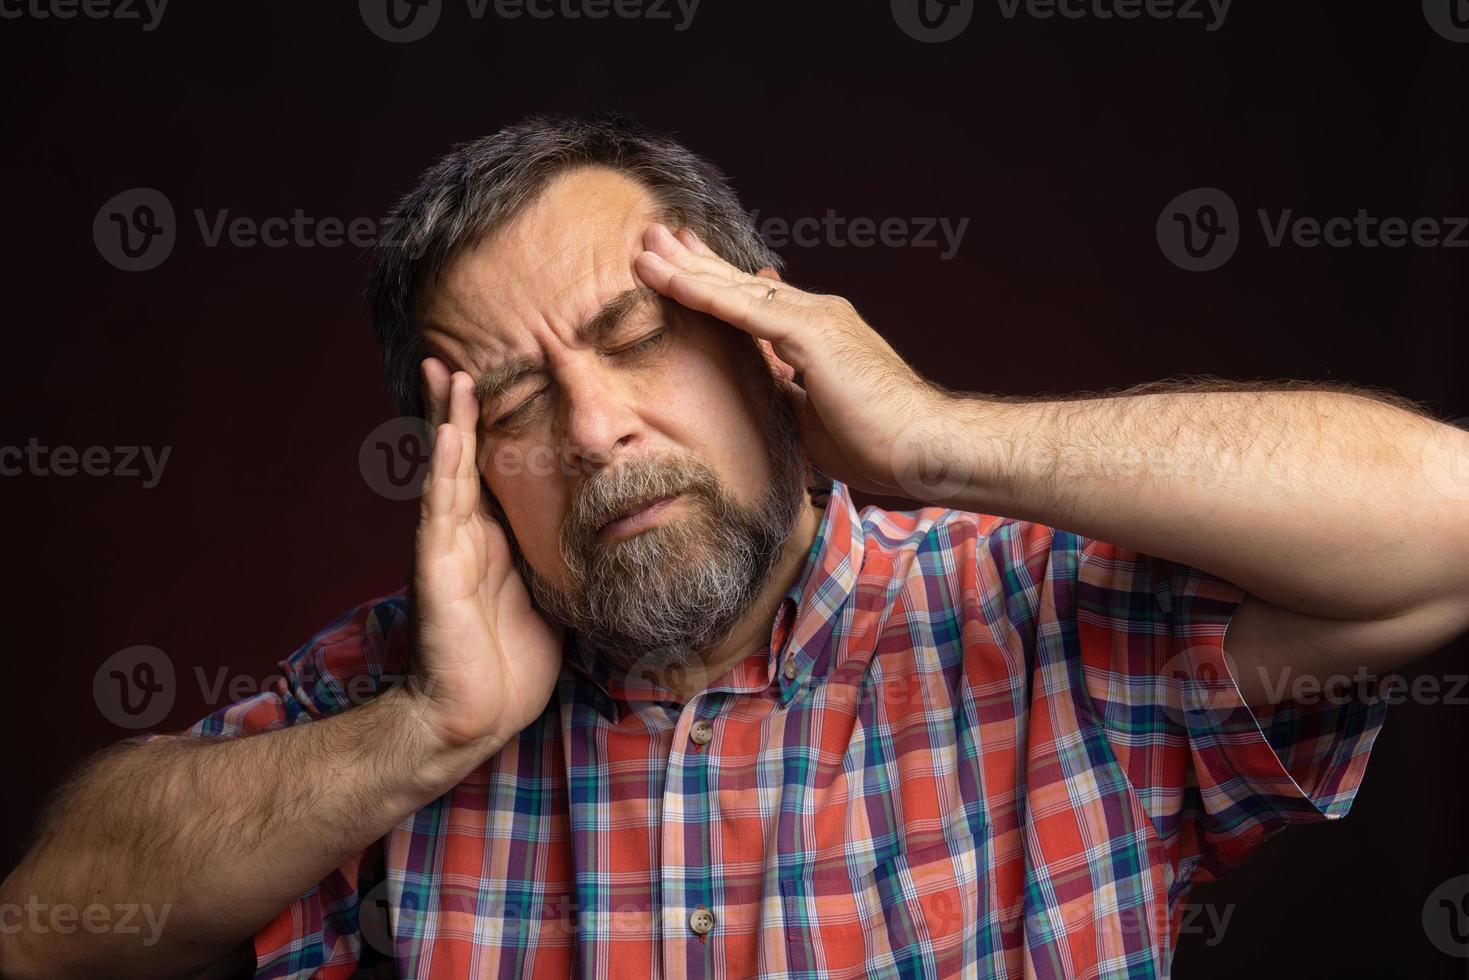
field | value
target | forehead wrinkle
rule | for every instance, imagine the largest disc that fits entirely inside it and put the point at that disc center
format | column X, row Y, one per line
column 545, row 243
column 498, row 378
column 467, row 306
column 447, row 307
column 610, row 315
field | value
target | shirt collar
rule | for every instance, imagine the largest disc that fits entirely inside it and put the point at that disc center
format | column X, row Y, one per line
column 800, row 648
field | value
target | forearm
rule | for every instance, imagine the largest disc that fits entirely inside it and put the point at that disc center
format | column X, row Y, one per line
column 1320, row 502
column 211, row 839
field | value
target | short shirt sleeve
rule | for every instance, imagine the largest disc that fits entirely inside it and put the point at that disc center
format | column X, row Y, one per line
column 1216, row 777
column 346, row 663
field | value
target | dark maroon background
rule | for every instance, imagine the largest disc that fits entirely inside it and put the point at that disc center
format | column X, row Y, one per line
column 1060, row 140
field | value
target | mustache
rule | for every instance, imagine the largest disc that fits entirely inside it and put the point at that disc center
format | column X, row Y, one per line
column 635, row 483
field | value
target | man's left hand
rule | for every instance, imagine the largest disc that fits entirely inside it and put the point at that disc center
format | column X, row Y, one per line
column 865, row 416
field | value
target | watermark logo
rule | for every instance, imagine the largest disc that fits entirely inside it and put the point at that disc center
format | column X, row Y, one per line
column 933, row 21
column 135, row 230
column 925, row 464
column 1199, row 229
column 137, row 687
column 1446, row 917
column 1201, row 693
column 654, row 678
column 375, row 916
column 1445, row 459
column 395, row 458
column 1450, row 18
column 134, row 688
column 401, row 21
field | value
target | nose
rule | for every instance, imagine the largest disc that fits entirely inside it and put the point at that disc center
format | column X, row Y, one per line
column 598, row 417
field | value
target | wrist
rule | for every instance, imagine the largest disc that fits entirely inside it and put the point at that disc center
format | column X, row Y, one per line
column 959, row 452
column 437, row 757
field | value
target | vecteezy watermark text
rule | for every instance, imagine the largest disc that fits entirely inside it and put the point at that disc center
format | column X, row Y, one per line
column 148, row 13
column 1282, row 684
column 404, row 21
column 34, row 459
column 136, row 229
column 838, row 231
column 1199, row 230
column 136, row 687
column 936, row 21
column 1209, row 12
column 125, row 918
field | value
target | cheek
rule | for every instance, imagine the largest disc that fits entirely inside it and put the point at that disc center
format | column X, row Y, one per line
column 534, row 495
column 710, row 401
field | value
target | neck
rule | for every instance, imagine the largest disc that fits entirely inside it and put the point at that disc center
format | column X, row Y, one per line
column 752, row 632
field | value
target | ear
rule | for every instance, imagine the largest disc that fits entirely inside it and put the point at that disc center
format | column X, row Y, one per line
column 779, row 368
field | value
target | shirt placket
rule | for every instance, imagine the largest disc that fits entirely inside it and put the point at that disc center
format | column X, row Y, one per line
column 691, row 917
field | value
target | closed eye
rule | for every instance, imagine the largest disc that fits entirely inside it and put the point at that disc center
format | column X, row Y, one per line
column 519, row 412
column 646, row 344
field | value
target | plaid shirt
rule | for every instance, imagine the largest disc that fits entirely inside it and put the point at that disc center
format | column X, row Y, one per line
column 974, row 745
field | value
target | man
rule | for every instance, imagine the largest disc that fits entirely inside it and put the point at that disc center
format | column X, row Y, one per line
column 674, row 707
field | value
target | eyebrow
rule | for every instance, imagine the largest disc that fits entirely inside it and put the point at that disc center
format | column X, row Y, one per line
column 495, row 381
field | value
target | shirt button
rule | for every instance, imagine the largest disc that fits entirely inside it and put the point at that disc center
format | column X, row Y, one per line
column 701, row 732
column 702, row 921
column 790, row 669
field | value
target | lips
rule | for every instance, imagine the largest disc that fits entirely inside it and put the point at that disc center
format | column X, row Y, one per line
column 635, row 518
column 629, row 511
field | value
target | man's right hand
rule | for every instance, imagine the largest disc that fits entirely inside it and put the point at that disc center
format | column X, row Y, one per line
column 222, row 834
column 485, row 660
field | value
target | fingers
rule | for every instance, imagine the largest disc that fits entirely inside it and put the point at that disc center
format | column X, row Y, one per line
column 692, row 242
column 682, row 267
column 449, row 398
column 436, row 506
column 453, row 493
column 741, row 305
column 698, row 257
column 464, row 417
column 435, row 390
column 436, row 519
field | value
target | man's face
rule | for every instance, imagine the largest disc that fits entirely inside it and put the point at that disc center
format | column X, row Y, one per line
column 620, row 398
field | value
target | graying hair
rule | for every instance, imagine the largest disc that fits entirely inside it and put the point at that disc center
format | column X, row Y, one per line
column 483, row 185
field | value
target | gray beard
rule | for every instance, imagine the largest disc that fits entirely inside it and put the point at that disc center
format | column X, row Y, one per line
column 654, row 602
